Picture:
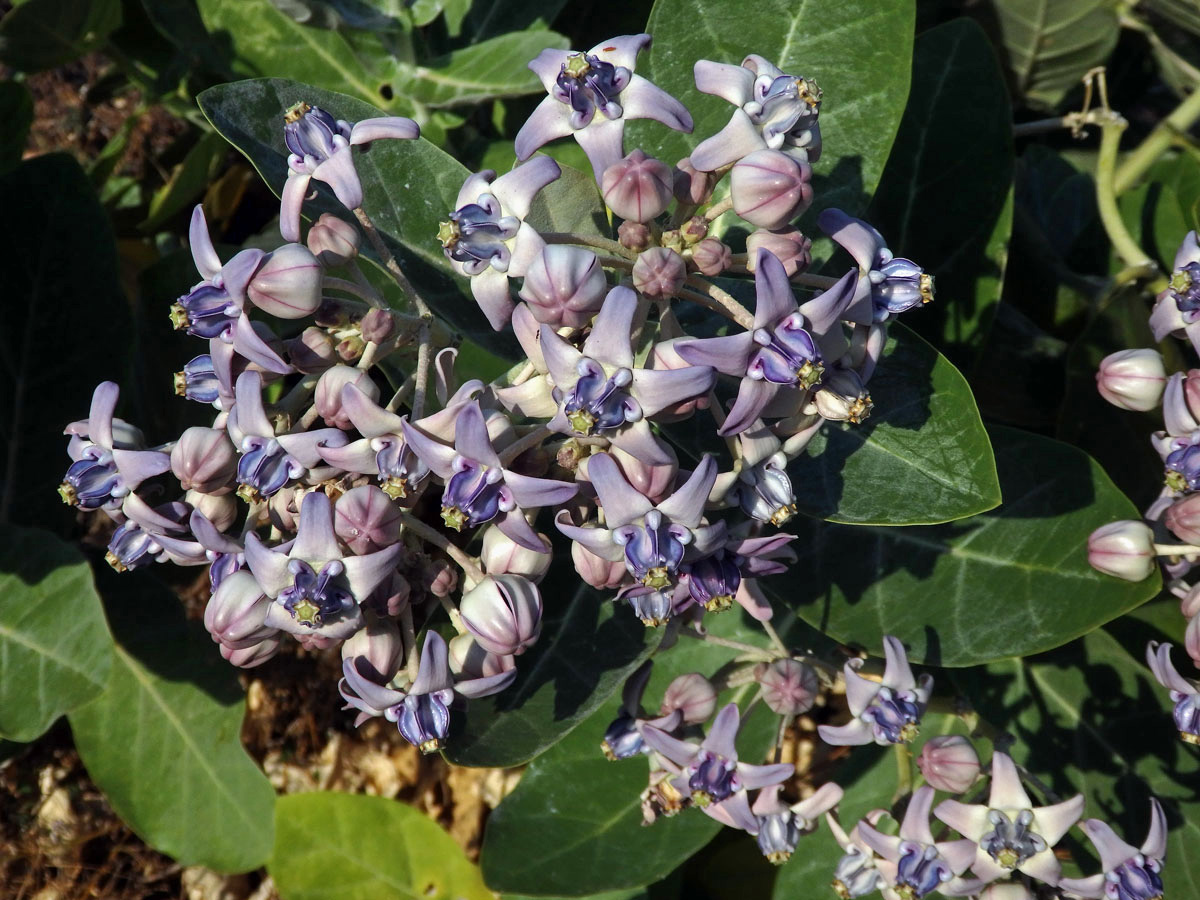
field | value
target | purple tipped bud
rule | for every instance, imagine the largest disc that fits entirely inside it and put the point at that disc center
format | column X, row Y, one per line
column 504, row 612
column 377, row 326
column 638, row 187
column 949, row 763
column 564, row 286
column 770, row 188
column 711, row 257
column 376, row 650
column 441, row 578
column 288, row 283
column 692, row 187
column 254, row 655
column 220, row 509
column 205, row 460
column 1123, row 549
column 328, row 396
column 788, row 245
column 633, row 236
column 236, row 612
column 333, row 241
column 504, row 556
column 693, row 695
column 312, row 351
column 595, row 570
column 659, row 272
column 841, row 397
column 789, row 687
column 366, row 519
column 1132, row 379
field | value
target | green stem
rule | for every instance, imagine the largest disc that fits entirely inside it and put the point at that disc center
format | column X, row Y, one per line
column 747, row 649
column 1156, row 143
column 724, row 299
column 464, row 560
column 904, row 776
column 587, row 240
column 1106, row 199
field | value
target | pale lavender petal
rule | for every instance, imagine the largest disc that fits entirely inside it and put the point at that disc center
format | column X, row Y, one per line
column 729, row 354
column 247, row 342
column 291, row 200
column 737, row 139
column 1165, row 317
column 204, row 256
column 752, row 599
column 735, row 812
column 603, row 140
column 371, row 696
column 859, row 691
column 516, row 189
column 987, row 868
column 1158, row 656
column 561, row 357
column 724, row 731
column 686, row 505
column 1043, row 866
column 752, row 398
column 371, row 419
column 897, row 674
column 365, row 573
column 886, row 845
column 754, row 777
column 149, row 518
column 251, row 417
column 471, row 437
column 547, row 65
column 307, row 446
column 609, row 340
column 969, row 820
column 182, row 552
column 959, row 854
column 638, row 440
column 434, row 672
column 634, row 687
column 853, row 733
column 732, row 83
column 1007, row 792
column 1188, row 252
column 473, row 688
column 655, row 389
column 477, row 183
column 514, row 525
column 100, row 415
column 339, row 173
column 1156, row 838
column 1055, row 821
column 236, row 274
column 531, row 493
column 1091, row 887
column 490, row 289
column 548, row 121
column 706, row 539
column 622, row 502
column 829, row 306
column 531, row 399
column 596, row 540
column 773, row 291
column 622, row 50
column 206, row 533
column 679, row 752
column 384, row 128
column 136, row 466
column 822, row 800
column 915, row 826
column 357, row 456
column 861, row 240
column 433, row 453
column 643, row 100
column 270, row 569
column 315, row 540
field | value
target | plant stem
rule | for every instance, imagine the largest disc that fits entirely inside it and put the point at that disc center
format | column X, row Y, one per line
column 775, row 638
column 748, row 649
column 529, row 441
column 464, row 560
column 1145, row 154
column 587, row 240
column 350, row 287
column 1106, row 199
column 727, row 301
column 904, row 777
column 424, row 354
column 719, row 208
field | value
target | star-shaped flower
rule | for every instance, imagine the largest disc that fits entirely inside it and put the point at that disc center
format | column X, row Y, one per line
column 1130, row 873
column 887, row 711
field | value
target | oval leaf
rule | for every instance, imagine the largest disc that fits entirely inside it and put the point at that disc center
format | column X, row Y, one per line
column 1012, row 581
column 55, row 649
column 332, row 846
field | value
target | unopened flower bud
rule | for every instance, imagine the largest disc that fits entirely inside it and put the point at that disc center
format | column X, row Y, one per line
column 504, row 612
column 333, row 241
column 1183, row 518
column 693, row 695
column 1132, row 379
column 254, row 655
column 694, row 230
column 205, row 460
column 633, row 236
column 638, row 187
column 441, row 578
column 469, row 660
column 659, row 272
column 949, row 763
column 312, row 351
column 1008, row 890
column 789, row 687
column 220, row 509
column 595, row 570
column 504, row 556
column 841, row 397
column 788, row 245
column 328, row 396
column 332, row 313
column 770, row 188
column 376, row 649
column 564, row 285
column 711, row 257
column 366, row 519
column 655, row 481
column 1123, row 549
column 377, row 326
column 391, row 596
column 1181, row 403
column 288, row 283
column 237, row 610
column 350, row 348
column 692, row 187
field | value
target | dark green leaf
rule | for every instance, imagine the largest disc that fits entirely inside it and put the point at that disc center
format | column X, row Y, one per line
column 1012, row 581
column 922, row 457
column 498, row 16
column 572, row 203
column 55, row 649
column 944, row 199
column 42, row 34
column 16, row 110
column 1161, row 210
column 66, row 327
column 163, row 739
column 188, row 180
column 492, row 69
column 351, row 847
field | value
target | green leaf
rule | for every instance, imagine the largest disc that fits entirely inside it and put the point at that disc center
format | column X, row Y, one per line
column 1161, row 210
column 352, row 847
column 66, row 327
column 163, row 740
column 188, row 180
column 859, row 52
column 1050, row 44
column 574, row 825
column 489, row 19
column 572, row 203
column 589, row 646
column 55, row 650
column 16, row 111
column 492, row 69
column 945, row 198
column 1013, row 581
column 42, row 34
column 409, row 187
column 922, row 457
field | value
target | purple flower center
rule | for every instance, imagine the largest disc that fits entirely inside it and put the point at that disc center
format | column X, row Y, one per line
column 198, row 380
column 1185, row 287
column 786, row 108
column 131, row 547
column 265, row 467
column 599, row 402
column 714, row 581
column 855, row 875
column 476, row 233
column 1187, row 716
column 1138, row 878
column 1011, row 843
column 901, row 285
column 473, row 495
column 207, row 311
column 653, row 607
column 920, row 870
column 399, row 468
column 313, row 134
column 894, row 715
column 223, row 565
column 653, row 551
column 788, row 354
column 424, row 719
column 622, row 739
column 712, row 778
column 778, row 835
column 92, row 481
column 766, row 493
column 1183, row 468
column 313, row 597
column 587, row 83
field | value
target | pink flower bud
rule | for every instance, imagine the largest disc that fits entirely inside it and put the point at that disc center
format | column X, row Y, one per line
column 1010, row 890
column 655, row 481
column 288, row 283
column 376, row 648
column 328, row 395
column 949, row 763
column 659, row 272
column 312, row 351
column 377, row 326
column 638, row 187
column 788, row 245
column 693, row 695
column 597, row 571
column 350, row 348
column 1132, row 379
column 237, row 610
column 633, row 236
column 391, row 596
column 204, row 460
column 1123, row 549
column 504, row 556
column 691, row 186
column 333, row 241
column 254, row 655
column 711, row 257
column 504, row 612
column 789, row 687
column 470, row 660
column 366, row 519
column 770, row 188
column 220, row 509
column 1183, row 518
column 564, row 286
column 842, row 397
column 694, row 230
column 1181, row 402
column 441, row 578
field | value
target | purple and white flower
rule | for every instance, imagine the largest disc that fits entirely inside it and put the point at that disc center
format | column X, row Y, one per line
column 1184, row 693
column 887, row 711
column 1130, row 873
column 780, row 826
